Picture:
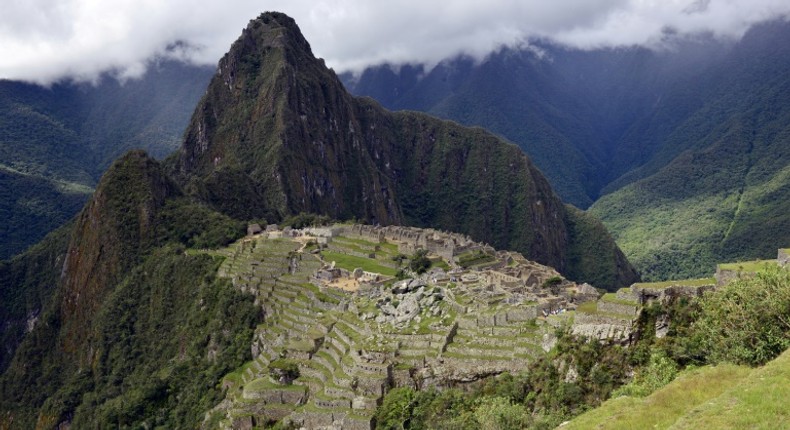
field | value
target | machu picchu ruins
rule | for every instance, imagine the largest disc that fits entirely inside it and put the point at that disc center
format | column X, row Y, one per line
column 353, row 323
column 346, row 320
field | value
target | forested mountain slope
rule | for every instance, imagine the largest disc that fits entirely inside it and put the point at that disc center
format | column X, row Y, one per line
column 56, row 142
column 596, row 121
column 724, row 195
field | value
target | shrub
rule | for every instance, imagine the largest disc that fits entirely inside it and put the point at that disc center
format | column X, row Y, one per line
column 660, row 371
column 748, row 320
column 419, row 262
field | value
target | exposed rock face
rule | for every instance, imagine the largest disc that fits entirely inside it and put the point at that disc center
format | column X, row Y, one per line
column 277, row 134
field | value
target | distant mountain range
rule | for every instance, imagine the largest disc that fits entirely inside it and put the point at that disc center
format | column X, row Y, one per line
column 682, row 151
column 56, row 142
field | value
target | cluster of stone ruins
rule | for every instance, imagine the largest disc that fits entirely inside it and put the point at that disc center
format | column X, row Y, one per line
column 443, row 327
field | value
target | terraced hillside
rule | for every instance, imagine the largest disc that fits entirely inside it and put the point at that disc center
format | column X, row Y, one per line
column 340, row 329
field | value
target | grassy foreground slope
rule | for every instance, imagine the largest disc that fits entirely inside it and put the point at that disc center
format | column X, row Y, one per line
column 711, row 397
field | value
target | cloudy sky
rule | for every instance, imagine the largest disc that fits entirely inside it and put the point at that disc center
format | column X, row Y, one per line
column 47, row 40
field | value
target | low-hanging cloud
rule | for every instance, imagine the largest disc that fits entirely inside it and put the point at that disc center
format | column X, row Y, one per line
column 48, row 40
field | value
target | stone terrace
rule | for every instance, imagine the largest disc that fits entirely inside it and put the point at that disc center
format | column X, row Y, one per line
column 452, row 325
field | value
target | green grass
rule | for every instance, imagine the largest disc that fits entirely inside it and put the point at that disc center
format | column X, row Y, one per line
column 592, row 308
column 683, row 283
column 588, row 307
column 757, row 402
column 440, row 263
column 747, row 266
column 612, row 298
column 474, row 258
column 351, row 262
column 720, row 397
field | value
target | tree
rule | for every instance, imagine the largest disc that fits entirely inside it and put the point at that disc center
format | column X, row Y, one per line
column 419, row 262
column 396, row 410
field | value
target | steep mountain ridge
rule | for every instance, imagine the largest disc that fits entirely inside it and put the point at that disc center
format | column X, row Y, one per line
column 99, row 303
column 58, row 141
column 125, row 327
column 112, row 233
column 277, row 134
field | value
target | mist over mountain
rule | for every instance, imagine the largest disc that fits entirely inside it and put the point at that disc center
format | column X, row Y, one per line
column 47, row 41
column 58, row 141
column 596, row 121
column 152, row 309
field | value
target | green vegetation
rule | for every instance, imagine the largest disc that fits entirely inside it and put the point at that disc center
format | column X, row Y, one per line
column 436, row 173
column 473, row 258
column 683, row 282
column 540, row 397
column 284, row 368
column 658, row 372
column 419, row 262
column 694, row 177
column 302, row 220
column 715, row 189
column 748, row 266
column 351, row 262
column 27, row 283
column 32, row 206
column 711, row 397
column 138, row 332
column 591, row 250
column 748, row 320
column 197, row 226
column 612, row 298
column 551, row 282
column 692, row 389
column 57, row 141
column 166, row 336
column 744, row 322
column 142, row 341
column 758, row 401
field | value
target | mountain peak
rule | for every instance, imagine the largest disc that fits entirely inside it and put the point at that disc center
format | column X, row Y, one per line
column 112, row 232
column 276, row 29
column 277, row 134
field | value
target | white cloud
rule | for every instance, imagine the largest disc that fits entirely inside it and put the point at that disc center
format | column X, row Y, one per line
column 47, row 40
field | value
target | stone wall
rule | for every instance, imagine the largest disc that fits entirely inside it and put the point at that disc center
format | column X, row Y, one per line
column 602, row 327
column 403, row 378
column 618, row 308
column 275, row 395
column 466, row 370
column 724, row 277
column 783, row 257
column 332, row 403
